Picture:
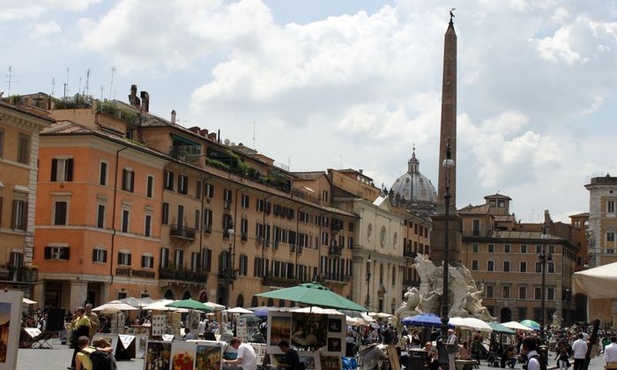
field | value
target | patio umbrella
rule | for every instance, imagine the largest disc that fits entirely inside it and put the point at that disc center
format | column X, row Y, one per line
column 515, row 325
column 261, row 311
column 190, row 304
column 532, row 324
column 250, row 318
column 28, row 301
column 238, row 310
column 114, row 307
column 313, row 294
column 470, row 323
column 423, row 319
column 160, row 305
column 215, row 306
column 136, row 302
column 498, row 328
column 316, row 310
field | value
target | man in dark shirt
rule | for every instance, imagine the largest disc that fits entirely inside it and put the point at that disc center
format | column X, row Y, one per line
column 292, row 359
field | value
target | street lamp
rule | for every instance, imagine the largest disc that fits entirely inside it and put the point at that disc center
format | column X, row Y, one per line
column 544, row 258
column 448, row 164
column 230, row 268
column 368, row 282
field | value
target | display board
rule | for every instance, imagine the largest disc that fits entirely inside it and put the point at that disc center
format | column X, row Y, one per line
column 318, row 338
column 184, row 355
column 10, row 328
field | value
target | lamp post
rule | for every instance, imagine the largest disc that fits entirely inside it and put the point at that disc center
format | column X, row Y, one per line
column 448, row 163
column 368, row 282
column 544, row 258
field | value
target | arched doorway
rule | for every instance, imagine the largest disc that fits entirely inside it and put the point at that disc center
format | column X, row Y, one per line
column 186, row 295
column 281, row 303
column 240, row 301
column 506, row 314
column 254, row 302
column 222, row 296
column 203, row 296
column 270, row 302
column 169, row 294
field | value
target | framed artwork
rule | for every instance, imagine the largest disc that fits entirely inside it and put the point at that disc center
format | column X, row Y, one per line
column 158, row 355
column 279, row 328
column 334, row 345
column 309, row 330
column 208, row 356
column 183, row 355
column 10, row 328
column 335, row 325
column 310, row 362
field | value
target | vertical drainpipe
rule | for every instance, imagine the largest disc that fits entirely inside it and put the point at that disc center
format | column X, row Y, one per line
column 113, row 219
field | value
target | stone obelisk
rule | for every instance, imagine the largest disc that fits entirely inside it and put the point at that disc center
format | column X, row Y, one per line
column 447, row 175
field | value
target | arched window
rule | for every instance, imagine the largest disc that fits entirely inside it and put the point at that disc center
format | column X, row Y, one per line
column 240, row 301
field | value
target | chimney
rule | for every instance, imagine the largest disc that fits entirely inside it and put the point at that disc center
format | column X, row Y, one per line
column 145, row 102
column 212, row 136
column 204, row 132
column 173, row 116
column 547, row 218
column 133, row 99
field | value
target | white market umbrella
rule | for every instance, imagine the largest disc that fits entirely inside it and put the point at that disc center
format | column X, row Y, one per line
column 114, row 307
column 381, row 315
column 238, row 310
column 598, row 284
column 470, row 323
column 28, row 301
column 215, row 306
column 515, row 325
column 316, row 310
column 161, row 305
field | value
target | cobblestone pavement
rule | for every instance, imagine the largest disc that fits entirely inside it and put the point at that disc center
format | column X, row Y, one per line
column 59, row 357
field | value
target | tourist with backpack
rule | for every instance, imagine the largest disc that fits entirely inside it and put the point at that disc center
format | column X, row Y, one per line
column 97, row 357
column 530, row 351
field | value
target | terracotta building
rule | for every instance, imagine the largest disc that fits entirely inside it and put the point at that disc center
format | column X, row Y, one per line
column 19, row 155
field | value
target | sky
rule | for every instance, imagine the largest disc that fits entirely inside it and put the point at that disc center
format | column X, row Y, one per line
column 318, row 84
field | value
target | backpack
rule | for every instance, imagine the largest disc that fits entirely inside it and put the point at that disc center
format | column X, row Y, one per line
column 101, row 360
column 540, row 360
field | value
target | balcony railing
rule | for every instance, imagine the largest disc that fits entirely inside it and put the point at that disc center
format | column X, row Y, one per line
column 279, row 281
column 182, row 232
column 336, row 277
column 23, row 274
column 183, row 274
column 127, row 271
column 228, row 274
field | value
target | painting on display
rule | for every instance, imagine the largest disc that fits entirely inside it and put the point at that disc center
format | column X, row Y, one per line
column 309, row 330
column 158, row 355
column 10, row 328
column 208, row 357
column 183, row 355
column 279, row 328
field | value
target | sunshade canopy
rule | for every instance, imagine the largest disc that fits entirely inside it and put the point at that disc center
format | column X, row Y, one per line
column 114, row 307
column 470, row 323
column 313, row 294
column 190, row 304
column 498, row 328
column 595, row 283
column 532, row 324
column 316, row 310
column 423, row 319
column 238, row 310
column 28, row 301
column 516, row 326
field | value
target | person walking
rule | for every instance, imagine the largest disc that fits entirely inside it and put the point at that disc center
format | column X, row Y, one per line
column 529, row 349
column 246, row 358
column 95, row 323
column 610, row 354
column 579, row 352
column 452, row 346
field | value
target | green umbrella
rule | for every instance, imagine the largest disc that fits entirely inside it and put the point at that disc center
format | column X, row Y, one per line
column 498, row 328
column 315, row 295
column 190, row 304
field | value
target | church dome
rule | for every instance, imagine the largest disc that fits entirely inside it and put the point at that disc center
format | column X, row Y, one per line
column 414, row 191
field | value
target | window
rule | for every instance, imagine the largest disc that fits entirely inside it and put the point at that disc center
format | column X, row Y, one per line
column 243, row 266
column 195, row 259
column 506, row 248
column 150, row 186
column 164, row 257
column 60, row 210
column 179, row 256
column 209, row 191
column 550, row 294
column 537, row 293
column 538, row 249
column 103, row 173
column 165, row 216
column 169, row 180
column 475, row 247
column 23, row 149
column 206, row 255
column 99, row 255
column 100, row 216
column 490, row 291
column 523, row 248
column 475, row 265
column 197, row 219
column 523, row 267
column 506, row 291
column 19, row 221
column 506, row 266
column 148, row 226
column 245, row 201
column 147, row 261
column 475, row 227
column 610, row 236
column 183, row 184
column 58, row 253
column 128, row 180
column 244, row 229
column 198, row 189
column 550, row 267
column 538, row 266
column 62, row 169
column 491, row 248
column 490, row 265
column 126, row 214
column 522, row 292
column 610, row 206
column 124, row 258
column 207, row 221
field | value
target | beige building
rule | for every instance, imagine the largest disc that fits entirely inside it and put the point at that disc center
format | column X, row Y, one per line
column 602, row 230
column 503, row 257
column 19, row 156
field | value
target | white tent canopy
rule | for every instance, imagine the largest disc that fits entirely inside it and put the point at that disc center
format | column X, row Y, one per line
column 470, row 323
column 598, row 284
column 515, row 325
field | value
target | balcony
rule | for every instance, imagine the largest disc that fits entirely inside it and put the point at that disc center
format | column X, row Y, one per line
column 182, row 232
column 127, row 271
column 335, row 251
column 184, row 275
column 340, row 278
column 279, row 281
column 20, row 274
